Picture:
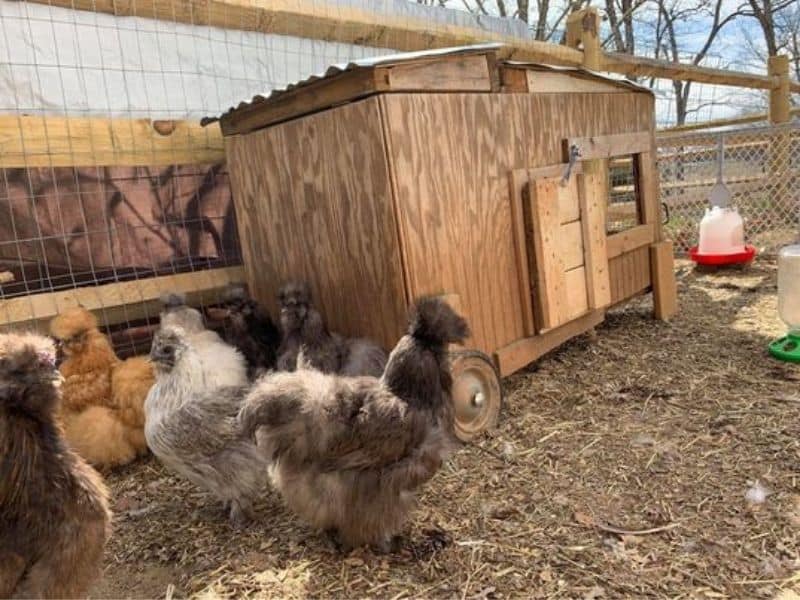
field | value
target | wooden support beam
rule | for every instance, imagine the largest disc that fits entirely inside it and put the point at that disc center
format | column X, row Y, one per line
column 586, row 30
column 38, row 141
column 333, row 22
column 361, row 26
column 118, row 302
column 518, row 354
column 649, row 67
column 662, row 273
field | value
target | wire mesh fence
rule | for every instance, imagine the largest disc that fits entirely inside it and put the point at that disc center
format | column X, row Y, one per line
column 623, row 199
column 107, row 178
column 761, row 169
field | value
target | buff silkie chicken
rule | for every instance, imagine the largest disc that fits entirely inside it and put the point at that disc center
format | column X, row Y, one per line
column 349, row 453
column 102, row 410
column 88, row 360
column 191, row 422
column 302, row 325
column 54, row 515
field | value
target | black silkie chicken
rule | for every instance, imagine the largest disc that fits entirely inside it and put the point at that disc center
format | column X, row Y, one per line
column 302, row 326
column 249, row 329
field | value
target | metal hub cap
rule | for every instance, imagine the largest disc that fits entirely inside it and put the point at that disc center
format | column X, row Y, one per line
column 476, row 395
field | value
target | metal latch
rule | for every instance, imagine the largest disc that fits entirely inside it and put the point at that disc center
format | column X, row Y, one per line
column 574, row 155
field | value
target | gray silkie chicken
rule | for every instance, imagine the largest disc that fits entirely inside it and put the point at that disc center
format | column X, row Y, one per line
column 191, row 424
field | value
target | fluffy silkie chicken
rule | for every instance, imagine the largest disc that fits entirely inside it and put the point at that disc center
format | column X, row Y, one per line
column 208, row 345
column 302, row 325
column 348, row 453
column 54, row 515
column 250, row 330
column 102, row 408
column 191, row 423
column 175, row 312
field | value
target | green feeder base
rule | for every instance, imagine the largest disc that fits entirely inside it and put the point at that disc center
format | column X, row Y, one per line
column 787, row 348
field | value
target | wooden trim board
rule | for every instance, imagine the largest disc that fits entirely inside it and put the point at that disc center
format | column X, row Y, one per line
column 608, row 146
column 593, row 227
column 518, row 195
column 522, row 79
column 630, row 239
column 518, row 354
column 118, row 302
column 457, row 73
column 321, row 94
column 36, row 141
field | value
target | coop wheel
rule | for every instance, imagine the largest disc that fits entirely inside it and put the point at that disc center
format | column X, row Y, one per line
column 477, row 395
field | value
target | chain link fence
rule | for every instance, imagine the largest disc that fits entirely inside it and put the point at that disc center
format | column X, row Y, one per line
column 761, row 168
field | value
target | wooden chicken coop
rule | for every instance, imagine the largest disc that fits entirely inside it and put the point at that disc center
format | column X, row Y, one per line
column 455, row 173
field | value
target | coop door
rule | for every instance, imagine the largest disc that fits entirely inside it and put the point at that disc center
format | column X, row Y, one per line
column 564, row 223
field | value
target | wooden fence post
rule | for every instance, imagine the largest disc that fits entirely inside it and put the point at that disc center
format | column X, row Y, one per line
column 781, row 143
column 780, row 104
column 583, row 28
column 779, row 112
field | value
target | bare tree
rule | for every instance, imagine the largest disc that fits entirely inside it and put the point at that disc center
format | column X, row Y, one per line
column 672, row 12
column 620, row 15
column 780, row 25
column 766, row 13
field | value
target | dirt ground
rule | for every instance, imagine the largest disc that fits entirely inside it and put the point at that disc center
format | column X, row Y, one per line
column 620, row 468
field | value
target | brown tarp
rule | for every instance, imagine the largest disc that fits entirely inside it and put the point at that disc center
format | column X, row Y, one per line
column 62, row 227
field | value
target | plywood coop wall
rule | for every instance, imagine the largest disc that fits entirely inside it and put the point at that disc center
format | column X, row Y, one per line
column 414, row 191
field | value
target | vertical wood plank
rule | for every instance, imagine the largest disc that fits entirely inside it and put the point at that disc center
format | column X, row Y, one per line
column 314, row 201
column 576, row 301
column 665, row 294
column 568, row 206
column 648, row 188
column 571, row 242
column 518, row 194
column 591, row 199
column 550, row 280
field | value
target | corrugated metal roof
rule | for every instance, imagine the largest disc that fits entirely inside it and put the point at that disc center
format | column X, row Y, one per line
column 364, row 63
column 405, row 57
